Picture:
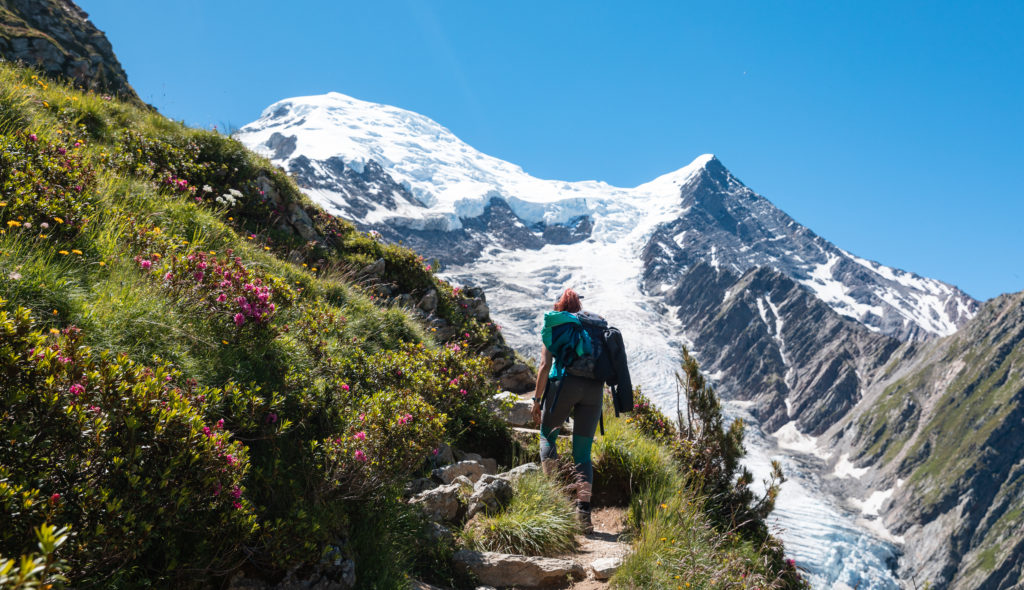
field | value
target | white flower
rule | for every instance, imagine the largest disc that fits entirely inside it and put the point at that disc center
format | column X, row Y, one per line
column 235, row 193
column 207, row 188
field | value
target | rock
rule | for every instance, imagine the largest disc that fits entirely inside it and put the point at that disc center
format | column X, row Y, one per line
column 471, row 469
column 406, row 300
column 499, row 364
column 419, row 485
column 500, row 569
column 444, row 455
column 429, row 301
column 605, row 567
column 490, row 494
column 518, row 414
column 441, row 504
column 417, row 585
column 490, row 465
column 375, row 269
column 478, row 309
column 440, row 533
column 513, row 475
column 518, row 378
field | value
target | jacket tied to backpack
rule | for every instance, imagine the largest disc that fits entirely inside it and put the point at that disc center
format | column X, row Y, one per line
column 584, row 345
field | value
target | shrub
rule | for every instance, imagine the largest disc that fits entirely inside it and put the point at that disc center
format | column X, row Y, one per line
column 540, row 520
column 37, row 570
column 127, row 460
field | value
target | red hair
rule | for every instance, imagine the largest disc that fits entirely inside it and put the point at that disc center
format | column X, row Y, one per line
column 569, row 301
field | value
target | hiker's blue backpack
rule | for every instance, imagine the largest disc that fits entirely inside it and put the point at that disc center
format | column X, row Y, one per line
column 593, row 350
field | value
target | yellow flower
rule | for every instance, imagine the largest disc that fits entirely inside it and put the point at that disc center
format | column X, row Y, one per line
column 102, row 263
column 156, row 230
column 314, row 269
column 54, row 331
column 224, row 341
column 64, row 252
column 266, row 247
column 46, row 104
column 157, row 255
column 79, row 252
column 58, row 220
column 13, row 223
column 3, row 203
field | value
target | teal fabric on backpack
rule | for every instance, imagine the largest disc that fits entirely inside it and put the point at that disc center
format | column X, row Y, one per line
column 564, row 337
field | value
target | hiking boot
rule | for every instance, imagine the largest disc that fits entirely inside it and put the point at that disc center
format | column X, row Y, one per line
column 583, row 517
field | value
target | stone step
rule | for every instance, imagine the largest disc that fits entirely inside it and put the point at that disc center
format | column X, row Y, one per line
column 503, row 569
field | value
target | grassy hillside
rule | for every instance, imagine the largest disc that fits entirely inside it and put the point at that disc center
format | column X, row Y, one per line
column 199, row 371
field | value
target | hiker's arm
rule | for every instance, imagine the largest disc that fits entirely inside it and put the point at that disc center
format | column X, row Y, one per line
column 542, row 383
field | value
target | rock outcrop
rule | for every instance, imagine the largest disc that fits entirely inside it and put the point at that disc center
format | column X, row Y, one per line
column 57, row 37
column 502, row 569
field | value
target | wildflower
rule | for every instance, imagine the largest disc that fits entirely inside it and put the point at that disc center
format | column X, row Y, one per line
column 168, row 276
column 63, row 252
column 239, row 319
column 428, row 268
column 361, row 456
column 78, row 252
column 76, row 389
column 220, row 423
column 145, row 264
column 58, row 220
column 33, row 137
column 463, row 391
column 220, row 298
column 236, row 505
column 236, row 492
column 360, row 435
column 207, row 432
column 102, row 263
column 271, row 418
column 54, row 498
column 344, row 387
column 13, row 223
column 230, row 459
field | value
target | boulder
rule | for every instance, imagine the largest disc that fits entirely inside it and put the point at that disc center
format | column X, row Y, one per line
column 490, row 494
column 516, row 414
column 513, row 475
column 419, row 485
column 441, row 504
column 429, row 301
column 490, row 465
column 605, row 567
column 518, row 378
column 471, row 469
column 444, row 455
column 375, row 269
column 501, row 569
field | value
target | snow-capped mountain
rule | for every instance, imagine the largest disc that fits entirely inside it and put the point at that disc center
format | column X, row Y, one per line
column 698, row 213
column 788, row 324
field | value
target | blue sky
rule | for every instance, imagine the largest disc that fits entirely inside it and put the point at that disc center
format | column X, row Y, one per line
column 893, row 129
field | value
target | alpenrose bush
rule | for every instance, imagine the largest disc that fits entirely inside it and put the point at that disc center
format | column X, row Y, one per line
column 119, row 452
column 223, row 285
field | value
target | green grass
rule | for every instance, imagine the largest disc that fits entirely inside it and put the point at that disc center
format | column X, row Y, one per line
column 540, row 520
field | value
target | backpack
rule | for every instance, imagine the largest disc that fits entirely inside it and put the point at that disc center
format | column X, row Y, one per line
column 590, row 348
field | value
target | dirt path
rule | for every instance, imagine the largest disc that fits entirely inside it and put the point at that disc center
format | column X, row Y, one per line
column 605, row 541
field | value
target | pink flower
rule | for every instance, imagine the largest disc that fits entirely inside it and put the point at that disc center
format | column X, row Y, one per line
column 236, row 493
column 54, row 498
column 220, row 423
column 94, row 409
column 271, row 418
column 145, row 264
column 361, row 456
column 239, row 319
column 428, row 268
column 222, row 298
column 230, row 459
column 362, row 417
column 236, row 505
column 360, row 435
column 344, row 387
column 77, row 389
column 206, row 431
column 435, row 452
column 466, row 335
column 33, row 137
column 199, row 276
column 463, row 391
column 168, row 276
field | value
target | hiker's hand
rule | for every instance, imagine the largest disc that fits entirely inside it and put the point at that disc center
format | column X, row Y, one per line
column 535, row 413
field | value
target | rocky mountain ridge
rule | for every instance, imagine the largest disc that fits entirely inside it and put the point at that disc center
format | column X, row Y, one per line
column 57, row 37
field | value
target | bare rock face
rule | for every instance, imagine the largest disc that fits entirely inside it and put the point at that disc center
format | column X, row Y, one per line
column 57, row 37
column 501, row 569
column 518, row 414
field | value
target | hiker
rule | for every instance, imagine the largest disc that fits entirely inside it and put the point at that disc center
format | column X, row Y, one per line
column 579, row 395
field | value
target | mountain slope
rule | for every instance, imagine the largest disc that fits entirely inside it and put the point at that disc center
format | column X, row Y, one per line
column 941, row 430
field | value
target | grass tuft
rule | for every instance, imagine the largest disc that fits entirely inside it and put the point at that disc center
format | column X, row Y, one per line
column 540, row 520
